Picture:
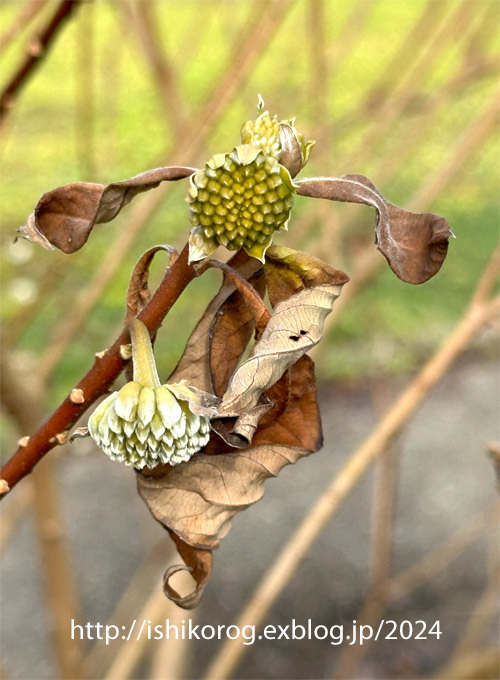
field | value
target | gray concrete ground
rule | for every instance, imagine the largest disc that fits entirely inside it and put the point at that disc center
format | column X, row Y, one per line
column 445, row 480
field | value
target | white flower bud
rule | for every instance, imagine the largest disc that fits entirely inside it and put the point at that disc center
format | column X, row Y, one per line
column 145, row 423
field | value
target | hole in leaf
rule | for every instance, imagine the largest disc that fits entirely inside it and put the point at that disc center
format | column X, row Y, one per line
column 303, row 332
column 294, row 337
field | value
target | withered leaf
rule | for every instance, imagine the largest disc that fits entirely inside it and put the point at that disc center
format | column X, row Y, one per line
column 414, row 244
column 197, row 500
column 294, row 328
column 64, row 217
column 198, row 562
column 230, row 332
column 194, row 364
column 138, row 293
column 290, row 271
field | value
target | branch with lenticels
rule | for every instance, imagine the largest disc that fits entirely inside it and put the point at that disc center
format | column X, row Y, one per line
column 107, row 367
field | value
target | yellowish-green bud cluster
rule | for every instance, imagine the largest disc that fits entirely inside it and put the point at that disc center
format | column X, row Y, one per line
column 264, row 134
column 238, row 200
column 145, row 426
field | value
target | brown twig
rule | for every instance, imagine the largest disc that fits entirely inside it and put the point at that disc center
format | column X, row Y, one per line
column 39, row 46
column 99, row 378
column 384, row 501
column 100, row 656
column 141, row 22
column 27, row 13
column 436, row 560
column 284, row 566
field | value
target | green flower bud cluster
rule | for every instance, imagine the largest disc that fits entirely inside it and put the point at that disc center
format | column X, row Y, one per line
column 145, row 426
column 264, row 134
column 146, row 423
column 239, row 199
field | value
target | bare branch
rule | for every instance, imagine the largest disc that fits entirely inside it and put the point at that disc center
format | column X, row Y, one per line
column 39, row 46
column 99, row 378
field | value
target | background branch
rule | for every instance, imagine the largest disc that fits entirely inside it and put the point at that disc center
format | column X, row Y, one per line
column 38, row 48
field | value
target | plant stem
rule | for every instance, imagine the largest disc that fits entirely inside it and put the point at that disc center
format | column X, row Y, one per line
column 38, row 49
column 98, row 380
column 143, row 358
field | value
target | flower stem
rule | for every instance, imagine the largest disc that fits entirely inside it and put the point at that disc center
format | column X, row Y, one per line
column 143, row 358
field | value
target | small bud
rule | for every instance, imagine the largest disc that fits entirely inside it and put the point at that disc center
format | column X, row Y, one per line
column 62, row 438
column 126, row 352
column 146, row 423
column 4, row 487
column 76, row 396
column 23, row 442
column 279, row 139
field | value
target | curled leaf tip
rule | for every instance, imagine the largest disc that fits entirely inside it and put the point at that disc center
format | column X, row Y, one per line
column 64, row 217
column 414, row 244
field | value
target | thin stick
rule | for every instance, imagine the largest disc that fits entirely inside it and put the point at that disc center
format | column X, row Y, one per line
column 39, row 46
column 484, row 611
column 157, row 609
column 58, row 572
column 483, row 663
column 26, row 14
column 170, row 660
column 401, row 60
column 436, row 560
column 13, row 512
column 284, row 566
column 85, row 93
column 384, row 501
column 469, row 142
column 452, row 26
column 100, row 657
column 141, row 21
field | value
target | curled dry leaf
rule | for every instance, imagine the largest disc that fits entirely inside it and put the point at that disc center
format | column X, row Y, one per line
column 197, row 500
column 64, row 217
column 414, row 244
column 294, row 328
column 138, row 293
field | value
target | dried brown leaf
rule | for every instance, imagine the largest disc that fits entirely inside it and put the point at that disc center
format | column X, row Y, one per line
column 414, row 244
column 65, row 216
column 290, row 271
column 138, row 293
column 294, row 328
column 231, row 330
column 194, row 364
column 197, row 500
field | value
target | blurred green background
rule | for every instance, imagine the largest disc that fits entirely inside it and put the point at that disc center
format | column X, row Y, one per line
column 400, row 92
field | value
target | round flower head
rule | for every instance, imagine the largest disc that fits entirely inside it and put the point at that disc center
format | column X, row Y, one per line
column 238, row 200
column 146, row 423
